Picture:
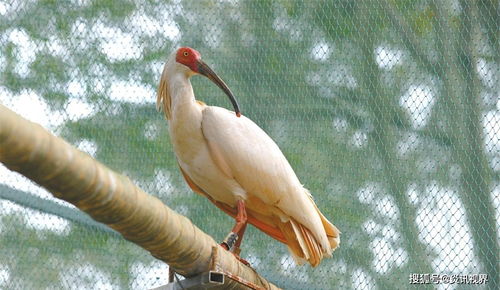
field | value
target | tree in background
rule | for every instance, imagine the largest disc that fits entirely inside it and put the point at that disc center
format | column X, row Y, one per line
column 386, row 109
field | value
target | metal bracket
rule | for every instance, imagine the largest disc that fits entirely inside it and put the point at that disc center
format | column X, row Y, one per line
column 205, row 280
column 216, row 278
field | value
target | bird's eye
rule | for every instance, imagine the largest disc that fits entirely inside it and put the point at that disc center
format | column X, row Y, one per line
column 186, row 53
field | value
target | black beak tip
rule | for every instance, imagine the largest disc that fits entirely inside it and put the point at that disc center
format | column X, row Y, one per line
column 238, row 114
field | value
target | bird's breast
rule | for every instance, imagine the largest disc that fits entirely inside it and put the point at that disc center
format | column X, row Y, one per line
column 193, row 155
column 186, row 136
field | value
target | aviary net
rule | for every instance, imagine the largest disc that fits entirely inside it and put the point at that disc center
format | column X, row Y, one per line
column 388, row 111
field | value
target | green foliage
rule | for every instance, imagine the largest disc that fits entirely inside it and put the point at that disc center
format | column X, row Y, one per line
column 367, row 99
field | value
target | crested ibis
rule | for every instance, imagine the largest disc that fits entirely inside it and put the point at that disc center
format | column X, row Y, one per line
column 230, row 160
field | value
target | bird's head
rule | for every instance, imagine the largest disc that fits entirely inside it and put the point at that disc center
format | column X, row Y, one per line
column 188, row 57
column 192, row 59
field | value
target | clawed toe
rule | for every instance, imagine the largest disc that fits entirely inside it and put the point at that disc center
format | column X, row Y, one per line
column 235, row 252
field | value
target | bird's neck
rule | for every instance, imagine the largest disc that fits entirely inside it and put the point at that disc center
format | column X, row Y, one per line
column 183, row 101
column 185, row 122
column 181, row 93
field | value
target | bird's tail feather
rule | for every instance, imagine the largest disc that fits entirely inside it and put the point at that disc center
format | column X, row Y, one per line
column 332, row 233
column 302, row 243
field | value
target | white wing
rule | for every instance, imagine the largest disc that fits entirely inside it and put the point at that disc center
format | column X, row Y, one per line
column 243, row 151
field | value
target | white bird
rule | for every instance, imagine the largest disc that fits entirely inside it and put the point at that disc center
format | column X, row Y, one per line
column 230, row 160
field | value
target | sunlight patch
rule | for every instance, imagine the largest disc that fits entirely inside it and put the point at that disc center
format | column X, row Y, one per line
column 77, row 109
column 361, row 280
column 32, row 107
column 443, row 226
column 418, row 102
column 388, row 58
column 491, row 123
column 320, row 51
column 124, row 91
column 117, row 44
column 44, row 221
column 26, row 50
column 8, row 207
column 4, row 275
column 88, row 146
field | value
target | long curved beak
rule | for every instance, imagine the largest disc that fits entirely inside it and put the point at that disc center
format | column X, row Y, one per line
column 205, row 70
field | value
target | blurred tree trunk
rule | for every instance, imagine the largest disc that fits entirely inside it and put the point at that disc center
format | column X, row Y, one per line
column 489, row 15
column 383, row 136
column 476, row 178
column 460, row 96
column 462, row 99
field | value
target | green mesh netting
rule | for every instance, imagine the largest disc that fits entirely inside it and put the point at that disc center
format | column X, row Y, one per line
column 388, row 111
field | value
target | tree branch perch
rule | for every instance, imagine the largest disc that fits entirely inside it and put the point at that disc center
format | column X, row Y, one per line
column 112, row 199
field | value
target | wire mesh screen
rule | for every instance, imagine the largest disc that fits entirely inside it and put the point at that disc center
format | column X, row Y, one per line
column 387, row 110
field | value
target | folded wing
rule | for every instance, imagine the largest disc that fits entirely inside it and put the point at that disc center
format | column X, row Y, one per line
column 278, row 201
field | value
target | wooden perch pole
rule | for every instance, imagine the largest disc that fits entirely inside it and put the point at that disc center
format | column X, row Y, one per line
column 112, row 199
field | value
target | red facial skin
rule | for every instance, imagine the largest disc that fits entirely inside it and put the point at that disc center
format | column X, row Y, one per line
column 188, row 57
column 192, row 59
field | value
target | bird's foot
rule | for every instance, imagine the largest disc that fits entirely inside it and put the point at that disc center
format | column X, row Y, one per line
column 241, row 259
column 233, row 240
column 228, row 245
column 235, row 252
column 225, row 246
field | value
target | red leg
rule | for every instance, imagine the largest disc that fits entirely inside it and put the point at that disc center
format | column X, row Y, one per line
column 241, row 218
column 235, row 237
column 240, row 237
